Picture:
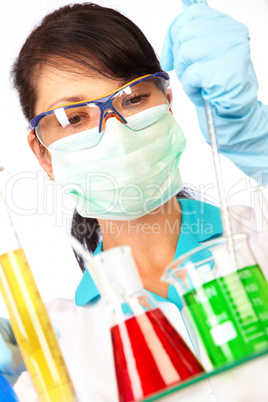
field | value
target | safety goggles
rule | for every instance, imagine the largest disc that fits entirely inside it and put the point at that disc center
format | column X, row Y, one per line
column 73, row 118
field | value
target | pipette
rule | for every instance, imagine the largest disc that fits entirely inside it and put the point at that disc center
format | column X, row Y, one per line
column 227, row 229
column 29, row 319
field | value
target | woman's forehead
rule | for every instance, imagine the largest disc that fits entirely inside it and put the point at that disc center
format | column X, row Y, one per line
column 55, row 86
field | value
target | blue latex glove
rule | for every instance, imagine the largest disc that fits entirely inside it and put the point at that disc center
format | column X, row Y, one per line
column 11, row 363
column 6, row 392
column 211, row 56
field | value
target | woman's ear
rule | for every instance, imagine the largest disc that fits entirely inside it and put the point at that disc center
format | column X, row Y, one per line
column 41, row 153
column 169, row 98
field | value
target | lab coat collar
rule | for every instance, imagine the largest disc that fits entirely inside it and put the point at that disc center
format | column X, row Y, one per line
column 200, row 222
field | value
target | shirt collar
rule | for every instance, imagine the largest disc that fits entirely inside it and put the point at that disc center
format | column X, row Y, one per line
column 200, row 222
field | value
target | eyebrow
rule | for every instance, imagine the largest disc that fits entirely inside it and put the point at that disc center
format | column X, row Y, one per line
column 66, row 100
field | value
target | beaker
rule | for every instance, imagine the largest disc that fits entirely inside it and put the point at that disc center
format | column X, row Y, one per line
column 149, row 354
column 29, row 319
column 228, row 308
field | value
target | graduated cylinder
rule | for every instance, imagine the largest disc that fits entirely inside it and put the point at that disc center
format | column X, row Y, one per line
column 29, row 319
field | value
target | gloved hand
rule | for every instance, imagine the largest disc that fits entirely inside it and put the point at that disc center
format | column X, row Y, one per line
column 6, row 392
column 11, row 363
column 211, row 56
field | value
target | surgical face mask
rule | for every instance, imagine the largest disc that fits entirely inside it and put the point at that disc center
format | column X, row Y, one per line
column 129, row 173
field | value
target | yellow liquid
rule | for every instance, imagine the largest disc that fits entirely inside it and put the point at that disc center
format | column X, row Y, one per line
column 33, row 330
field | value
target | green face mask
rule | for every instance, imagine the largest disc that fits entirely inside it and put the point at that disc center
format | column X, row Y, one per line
column 128, row 174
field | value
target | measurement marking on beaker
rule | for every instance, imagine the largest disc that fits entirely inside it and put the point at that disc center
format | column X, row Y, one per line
column 246, row 307
column 230, row 304
column 246, row 318
column 256, row 336
column 239, row 301
column 239, row 309
column 232, row 283
column 244, row 315
column 236, row 293
column 237, row 304
column 250, row 321
column 251, row 329
column 233, row 299
column 232, row 279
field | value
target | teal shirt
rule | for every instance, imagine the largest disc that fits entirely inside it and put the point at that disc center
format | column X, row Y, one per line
column 200, row 222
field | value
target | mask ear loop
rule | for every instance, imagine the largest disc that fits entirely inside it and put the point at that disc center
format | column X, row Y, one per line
column 168, row 93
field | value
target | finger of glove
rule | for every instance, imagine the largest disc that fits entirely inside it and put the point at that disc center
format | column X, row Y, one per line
column 208, row 26
column 193, row 83
column 6, row 331
column 187, row 3
column 235, row 86
column 57, row 332
column 16, row 365
column 208, row 48
column 192, row 13
column 11, row 361
column 5, row 354
column 202, row 38
column 166, row 58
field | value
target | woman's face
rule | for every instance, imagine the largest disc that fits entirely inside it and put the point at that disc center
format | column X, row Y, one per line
column 56, row 87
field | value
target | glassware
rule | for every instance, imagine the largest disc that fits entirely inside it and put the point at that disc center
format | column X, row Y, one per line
column 260, row 204
column 228, row 311
column 149, row 354
column 29, row 319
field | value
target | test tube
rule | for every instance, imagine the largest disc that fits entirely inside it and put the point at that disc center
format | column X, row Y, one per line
column 29, row 318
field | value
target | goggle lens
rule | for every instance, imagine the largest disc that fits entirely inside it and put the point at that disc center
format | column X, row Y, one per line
column 124, row 105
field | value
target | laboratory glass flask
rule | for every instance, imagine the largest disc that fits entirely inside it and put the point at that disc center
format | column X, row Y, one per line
column 227, row 304
column 149, row 354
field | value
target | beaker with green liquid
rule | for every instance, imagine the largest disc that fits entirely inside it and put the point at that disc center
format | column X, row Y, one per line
column 226, row 301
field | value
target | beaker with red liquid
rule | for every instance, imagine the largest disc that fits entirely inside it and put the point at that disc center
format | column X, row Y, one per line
column 149, row 354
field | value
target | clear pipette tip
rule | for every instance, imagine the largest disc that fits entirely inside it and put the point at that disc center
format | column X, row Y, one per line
column 226, row 223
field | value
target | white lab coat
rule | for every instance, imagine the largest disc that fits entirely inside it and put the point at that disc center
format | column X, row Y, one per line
column 86, row 345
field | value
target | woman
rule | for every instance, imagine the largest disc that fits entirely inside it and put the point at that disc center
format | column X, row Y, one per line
column 117, row 154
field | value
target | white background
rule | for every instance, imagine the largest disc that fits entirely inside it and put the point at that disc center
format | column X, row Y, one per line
column 50, row 257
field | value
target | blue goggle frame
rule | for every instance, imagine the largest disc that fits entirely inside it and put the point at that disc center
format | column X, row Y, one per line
column 104, row 103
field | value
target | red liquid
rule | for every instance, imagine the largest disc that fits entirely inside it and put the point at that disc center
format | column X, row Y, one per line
column 150, row 355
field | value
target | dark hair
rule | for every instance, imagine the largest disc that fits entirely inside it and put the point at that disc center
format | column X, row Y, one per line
column 82, row 36
column 90, row 38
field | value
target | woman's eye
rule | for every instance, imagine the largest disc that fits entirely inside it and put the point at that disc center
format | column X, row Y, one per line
column 136, row 99
column 75, row 119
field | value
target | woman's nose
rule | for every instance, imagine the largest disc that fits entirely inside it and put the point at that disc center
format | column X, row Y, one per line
column 111, row 113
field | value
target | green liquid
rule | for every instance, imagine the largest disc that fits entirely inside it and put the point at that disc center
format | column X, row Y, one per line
column 231, row 314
